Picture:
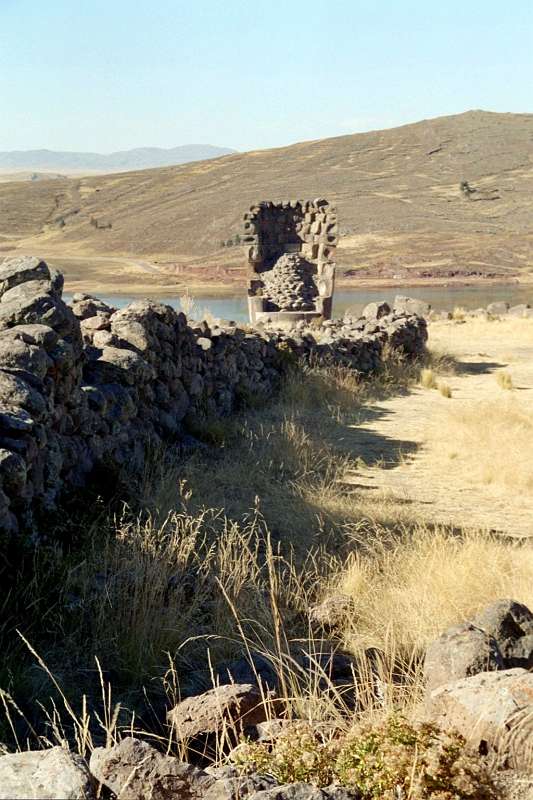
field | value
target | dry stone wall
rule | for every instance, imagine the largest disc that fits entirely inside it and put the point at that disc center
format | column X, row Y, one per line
column 85, row 387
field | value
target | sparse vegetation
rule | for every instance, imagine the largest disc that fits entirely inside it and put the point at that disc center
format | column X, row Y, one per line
column 224, row 551
column 504, row 380
column 382, row 761
column 428, row 379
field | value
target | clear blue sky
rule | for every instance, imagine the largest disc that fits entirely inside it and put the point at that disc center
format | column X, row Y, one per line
column 107, row 75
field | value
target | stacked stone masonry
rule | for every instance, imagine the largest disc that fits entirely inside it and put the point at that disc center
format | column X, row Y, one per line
column 85, row 387
column 300, row 237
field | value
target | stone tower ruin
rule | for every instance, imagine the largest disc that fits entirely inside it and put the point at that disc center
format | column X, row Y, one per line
column 290, row 248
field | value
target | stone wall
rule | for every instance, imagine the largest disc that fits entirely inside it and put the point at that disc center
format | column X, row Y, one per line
column 303, row 230
column 85, row 387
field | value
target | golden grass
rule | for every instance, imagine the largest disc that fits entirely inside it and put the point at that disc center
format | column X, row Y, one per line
column 504, row 380
column 225, row 555
column 490, row 443
column 444, row 389
column 428, row 379
column 406, row 591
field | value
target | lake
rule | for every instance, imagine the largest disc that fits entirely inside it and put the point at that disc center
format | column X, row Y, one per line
column 234, row 306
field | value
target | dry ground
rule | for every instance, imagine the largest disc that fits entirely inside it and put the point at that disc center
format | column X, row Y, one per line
column 463, row 460
column 402, row 215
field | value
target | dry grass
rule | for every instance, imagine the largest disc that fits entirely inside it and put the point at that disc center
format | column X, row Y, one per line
column 490, row 443
column 212, row 196
column 408, row 590
column 224, row 557
column 504, row 380
column 444, row 389
column 428, row 379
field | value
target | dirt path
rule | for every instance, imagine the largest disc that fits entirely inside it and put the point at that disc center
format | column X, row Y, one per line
column 412, row 447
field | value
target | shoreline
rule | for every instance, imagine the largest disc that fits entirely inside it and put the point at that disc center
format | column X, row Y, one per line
column 140, row 289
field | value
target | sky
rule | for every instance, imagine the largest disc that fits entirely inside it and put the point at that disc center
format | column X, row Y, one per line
column 104, row 76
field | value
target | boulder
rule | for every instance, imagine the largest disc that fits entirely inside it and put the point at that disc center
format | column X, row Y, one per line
column 40, row 335
column 376, row 310
column 498, row 308
column 520, row 310
column 233, row 705
column 16, row 392
column 21, row 269
column 410, row 305
column 133, row 770
column 91, row 307
column 53, row 774
column 511, row 624
column 492, row 710
column 459, row 652
column 231, row 784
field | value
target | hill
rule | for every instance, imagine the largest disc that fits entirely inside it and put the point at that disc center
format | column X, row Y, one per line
column 138, row 158
column 402, row 213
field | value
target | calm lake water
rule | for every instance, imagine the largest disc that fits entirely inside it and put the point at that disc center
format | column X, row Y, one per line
column 234, row 307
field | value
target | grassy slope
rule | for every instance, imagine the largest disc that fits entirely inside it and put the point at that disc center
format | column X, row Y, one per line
column 397, row 192
column 237, row 543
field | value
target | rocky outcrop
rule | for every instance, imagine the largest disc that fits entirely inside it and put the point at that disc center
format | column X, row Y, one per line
column 86, row 388
column 499, row 638
column 461, row 651
column 53, row 774
column 492, row 710
column 133, row 769
column 232, row 706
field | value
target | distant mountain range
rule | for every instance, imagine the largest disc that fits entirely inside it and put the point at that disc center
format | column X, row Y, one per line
column 122, row 160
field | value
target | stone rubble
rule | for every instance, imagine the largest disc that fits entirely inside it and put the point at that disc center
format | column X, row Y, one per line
column 493, row 710
column 289, row 285
column 87, row 388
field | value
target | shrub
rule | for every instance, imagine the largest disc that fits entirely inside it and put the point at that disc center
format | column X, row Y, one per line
column 380, row 760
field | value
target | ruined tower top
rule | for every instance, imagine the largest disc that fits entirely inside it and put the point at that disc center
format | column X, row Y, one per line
column 289, row 250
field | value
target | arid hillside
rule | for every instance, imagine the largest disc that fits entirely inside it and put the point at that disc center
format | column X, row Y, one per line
column 403, row 214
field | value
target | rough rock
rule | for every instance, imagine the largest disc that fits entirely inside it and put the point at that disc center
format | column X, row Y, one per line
column 232, row 785
column 376, row 310
column 21, row 269
column 492, row 710
column 93, row 388
column 53, row 774
column 459, row 652
column 498, row 308
column 233, row 705
column 519, row 311
column 290, row 284
column 410, row 305
column 511, row 624
column 256, row 670
column 134, row 770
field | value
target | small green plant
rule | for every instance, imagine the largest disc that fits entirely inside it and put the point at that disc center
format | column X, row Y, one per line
column 398, row 759
column 380, row 760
